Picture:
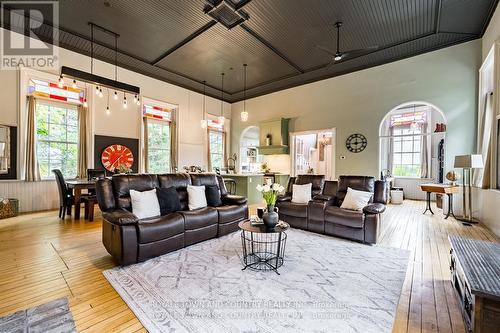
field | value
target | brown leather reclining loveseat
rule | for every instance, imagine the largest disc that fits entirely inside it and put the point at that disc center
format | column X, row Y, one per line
column 130, row 240
column 323, row 213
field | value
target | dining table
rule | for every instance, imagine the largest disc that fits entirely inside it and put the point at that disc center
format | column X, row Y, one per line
column 76, row 186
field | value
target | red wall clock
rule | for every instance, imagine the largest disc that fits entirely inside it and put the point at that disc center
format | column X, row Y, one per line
column 115, row 155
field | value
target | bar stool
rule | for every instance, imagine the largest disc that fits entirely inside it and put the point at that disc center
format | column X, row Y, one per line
column 230, row 185
column 229, row 182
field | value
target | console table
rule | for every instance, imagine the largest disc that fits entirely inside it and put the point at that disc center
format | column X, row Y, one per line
column 447, row 189
column 475, row 275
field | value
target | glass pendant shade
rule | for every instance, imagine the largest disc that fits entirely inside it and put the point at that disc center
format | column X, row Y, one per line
column 244, row 116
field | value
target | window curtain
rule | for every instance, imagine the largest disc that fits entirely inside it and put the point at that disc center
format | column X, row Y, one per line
column 82, row 142
column 424, row 152
column 146, row 142
column 32, row 172
column 173, row 143
column 485, row 126
column 390, row 150
column 209, row 157
column 224, row 153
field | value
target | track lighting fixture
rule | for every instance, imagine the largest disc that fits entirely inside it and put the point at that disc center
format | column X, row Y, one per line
column 115, row 96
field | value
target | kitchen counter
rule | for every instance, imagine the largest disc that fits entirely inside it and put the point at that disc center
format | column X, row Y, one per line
column 246, row 185
column 251, row 174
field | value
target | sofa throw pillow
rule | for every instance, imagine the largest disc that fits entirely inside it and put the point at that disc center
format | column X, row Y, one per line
column 196, row 197
column 301, row 193
column 144, row 204
column 213, row 196
column 168, row 200
column 356, row 200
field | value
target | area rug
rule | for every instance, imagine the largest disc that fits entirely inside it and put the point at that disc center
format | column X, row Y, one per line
column 52, row 317
column 326, row 285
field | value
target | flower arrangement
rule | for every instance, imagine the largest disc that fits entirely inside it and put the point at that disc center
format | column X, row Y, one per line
column 270, row 192
column 123, row 168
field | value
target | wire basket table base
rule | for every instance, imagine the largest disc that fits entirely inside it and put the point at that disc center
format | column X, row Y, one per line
column 263, row 251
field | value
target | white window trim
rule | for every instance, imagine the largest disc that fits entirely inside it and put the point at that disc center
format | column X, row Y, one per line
column 67, row 106
column 23, row 79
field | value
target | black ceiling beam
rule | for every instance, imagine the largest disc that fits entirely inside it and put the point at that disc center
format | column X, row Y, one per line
column 271, row 47
column 490, row 16
column 323, row 66
column 185, row 41
column 111, row 61
column 328, row 76
column 437, row 21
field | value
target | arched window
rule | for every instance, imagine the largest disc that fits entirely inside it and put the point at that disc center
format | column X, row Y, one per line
column 412, row 141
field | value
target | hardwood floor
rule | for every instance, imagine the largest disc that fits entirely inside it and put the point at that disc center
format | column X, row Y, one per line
column 43, row 258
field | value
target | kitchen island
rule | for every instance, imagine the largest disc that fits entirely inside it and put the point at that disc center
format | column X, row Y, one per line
column 246, row 185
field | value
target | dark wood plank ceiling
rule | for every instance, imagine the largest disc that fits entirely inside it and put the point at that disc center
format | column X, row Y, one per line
column 177, row 42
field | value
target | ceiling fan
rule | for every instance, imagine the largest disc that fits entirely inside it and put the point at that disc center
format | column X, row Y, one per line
column 339, row 56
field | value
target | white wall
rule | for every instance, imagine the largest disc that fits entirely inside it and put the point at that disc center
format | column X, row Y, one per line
column 357, row 103
column 488, row 201
column 122, row 123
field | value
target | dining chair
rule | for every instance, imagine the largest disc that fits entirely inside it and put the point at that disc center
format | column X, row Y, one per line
column 96, row 174
column 65, row 196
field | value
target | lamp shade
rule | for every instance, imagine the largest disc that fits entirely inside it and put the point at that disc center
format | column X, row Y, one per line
column 473, row 161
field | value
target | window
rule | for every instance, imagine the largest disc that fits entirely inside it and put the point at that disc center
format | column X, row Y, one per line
column 57, row 138
column 158, row 118
column 406, row 157
column 408, row 129
column 216, row 144
column 158, row 147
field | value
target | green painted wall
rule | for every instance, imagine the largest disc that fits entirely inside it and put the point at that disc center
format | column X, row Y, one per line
column 357, row 102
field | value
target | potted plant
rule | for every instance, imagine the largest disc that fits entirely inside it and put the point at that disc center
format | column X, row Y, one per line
column 270, row 194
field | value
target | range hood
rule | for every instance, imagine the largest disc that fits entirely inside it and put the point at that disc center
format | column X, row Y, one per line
column 273, row 138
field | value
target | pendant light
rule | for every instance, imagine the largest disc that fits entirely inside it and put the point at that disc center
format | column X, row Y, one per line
column 244, row 113
column 108, row 111
column 60, row 84
column 204, row 122
column 124, row 101
column 221, row 118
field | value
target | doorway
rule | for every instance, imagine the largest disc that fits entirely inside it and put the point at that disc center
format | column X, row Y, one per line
column 249, row 159
column 313, row 152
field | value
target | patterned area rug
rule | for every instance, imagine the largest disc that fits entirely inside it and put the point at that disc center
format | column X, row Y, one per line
column 52, row 317
column 326, row 285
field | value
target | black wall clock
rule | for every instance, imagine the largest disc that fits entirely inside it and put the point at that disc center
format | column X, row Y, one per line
column 356, row 143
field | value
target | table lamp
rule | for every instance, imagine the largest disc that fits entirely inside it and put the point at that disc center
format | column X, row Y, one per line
column 467, row 163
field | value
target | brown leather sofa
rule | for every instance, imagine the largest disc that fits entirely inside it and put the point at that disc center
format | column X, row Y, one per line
column 296, row 213
column 130, row 240
column 323, row 213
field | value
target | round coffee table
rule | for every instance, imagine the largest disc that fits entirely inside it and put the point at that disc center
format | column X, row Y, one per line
column 263, row 248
